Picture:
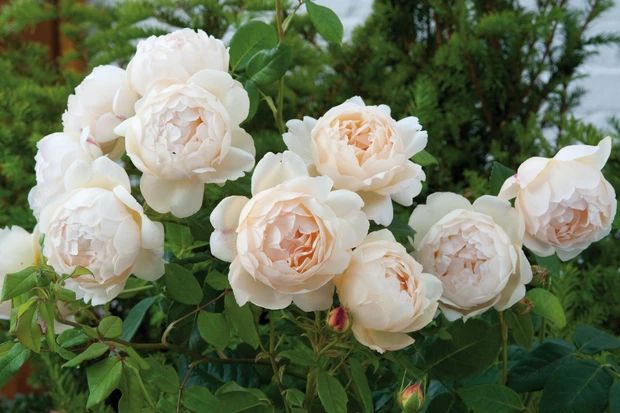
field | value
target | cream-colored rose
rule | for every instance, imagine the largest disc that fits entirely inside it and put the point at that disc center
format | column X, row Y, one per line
column 56, row 154
column 175, row 57
column 99, row 226
column 89, row 109
column 566, row 202
column 290, row 239
column 19, row 250
column 363, row 149
column 475, row 250
column 387, row 293
column 185, row 135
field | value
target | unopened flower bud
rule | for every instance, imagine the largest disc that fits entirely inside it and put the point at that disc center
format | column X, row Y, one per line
column 338, row 320
column 412, row 398
column 539, row 275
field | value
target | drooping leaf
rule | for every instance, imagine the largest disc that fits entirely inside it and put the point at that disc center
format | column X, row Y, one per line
column 19, row 282
column 361, row 385
column 325, row 21
column 214, row 329
column 576, row 386
column 132, row 397
column 181, row 285
column 242, row 321
column 103, row 378
column 499, row 174
column 590, row 340
column 28, row 330
column 331, row 393
column 92, row 352
column 547, row 305
column 269, row 65
column 491, row 398
column 473, row 346
column 249, row 39
column 12, row 361
column 134, row 318
column 110, row 327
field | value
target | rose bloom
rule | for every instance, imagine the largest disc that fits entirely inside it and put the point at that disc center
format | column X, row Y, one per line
column 185, row 135
column 99, row 226
column 290, row 239
column 475, row 250
column 387, row 293
column 56, row 154
column 362, row 149
column 565, row 201
column 175, row 57
column 19, row 250
column 90, row 109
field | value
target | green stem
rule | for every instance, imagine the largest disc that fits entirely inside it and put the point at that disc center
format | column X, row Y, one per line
column 137, row 289
column 274, row 364
column 504, row 330
column 280, row 99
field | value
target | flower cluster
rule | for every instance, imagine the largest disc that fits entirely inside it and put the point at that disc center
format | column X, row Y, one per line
column 303, row 235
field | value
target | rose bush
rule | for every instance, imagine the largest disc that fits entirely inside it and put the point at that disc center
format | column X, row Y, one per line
column 435, row 315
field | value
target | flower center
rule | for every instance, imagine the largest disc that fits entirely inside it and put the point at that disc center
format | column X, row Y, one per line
column 366, row 136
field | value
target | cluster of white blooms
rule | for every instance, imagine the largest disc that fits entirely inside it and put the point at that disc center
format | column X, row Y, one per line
column 304, row 232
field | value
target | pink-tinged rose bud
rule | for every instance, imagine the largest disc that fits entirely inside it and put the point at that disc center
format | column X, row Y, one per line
column 412, row 398
column 338, row 320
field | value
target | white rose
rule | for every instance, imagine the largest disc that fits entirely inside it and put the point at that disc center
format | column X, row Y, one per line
column 175, row 57
column 362, row 149
column 19, row 250
column 290, row 239
column 387, row 293
column 56, row 154
column 185, row 135
column 566, row 202
column 475, row 250
column 99, row 226
column 89, row 109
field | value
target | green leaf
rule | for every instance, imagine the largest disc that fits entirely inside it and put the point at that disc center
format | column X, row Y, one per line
column 491, row 398
column 295, row 397
column 269, row 65
column 530, row 373
column 213, row 328
column 242, row 320
column 614, row 397
column 178, row 238
column 135, row 317
column 472, row 348
column 200, row 399
column 28, row 331
column 424, row 158
column 521, row 327
column 71, row 337
column 300, row 354
column 551, row 263
column 110, row 327
column 181, row 285
column 12, row 361
column 446, row 403
column 590, row 340
column 575, row 387
column 325, row 21
column 103, row 378
column 161, row 376
column 132, row 396
column 361, row 385
column 499, row 174
column 217, row 281
column 248, row 40
column 254, row 96
column 234, row 399
column 92, row 352
column 19, row 282
column 547, row 305
column 332, row 394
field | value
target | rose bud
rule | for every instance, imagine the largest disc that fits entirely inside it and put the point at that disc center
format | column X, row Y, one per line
column 540, row 275
column 338, row 320
column 412, row 398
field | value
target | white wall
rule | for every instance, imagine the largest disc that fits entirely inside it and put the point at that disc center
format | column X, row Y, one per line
column 602, row 84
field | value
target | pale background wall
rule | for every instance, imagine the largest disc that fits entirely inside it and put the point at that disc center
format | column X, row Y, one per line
column 602, row 84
